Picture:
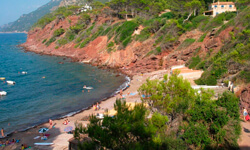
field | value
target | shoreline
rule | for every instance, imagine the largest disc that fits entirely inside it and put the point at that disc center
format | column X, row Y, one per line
column 123, row 87
column 19, row 134
column 57, row 135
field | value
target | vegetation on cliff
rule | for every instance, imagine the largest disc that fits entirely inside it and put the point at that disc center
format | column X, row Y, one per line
column 179, row 114
column 124, row 18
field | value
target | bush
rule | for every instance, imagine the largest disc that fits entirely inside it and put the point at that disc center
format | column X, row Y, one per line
column 198, row 135
column 85, row 42
column 215, row 22
column 58, row 32
column 144, row 35
column 62, row 41
column 51, row 40
column 202, row 37
column 194, row 61
column 44, row 40
column 186, row 43
column 110, row 44
column 125, row 31
column 126, row 41
column 245, row 76
column 198, row 20
column 168, row 15
column 231, row 103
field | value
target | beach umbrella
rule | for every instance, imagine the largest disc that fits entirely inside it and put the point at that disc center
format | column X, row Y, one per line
column 42, row 130
column 68, row 129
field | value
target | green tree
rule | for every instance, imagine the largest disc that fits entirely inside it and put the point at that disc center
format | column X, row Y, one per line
column 173, row 95
column 128, row 129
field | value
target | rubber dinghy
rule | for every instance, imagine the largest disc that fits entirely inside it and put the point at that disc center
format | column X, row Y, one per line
column 43, row 143
column 11, row 82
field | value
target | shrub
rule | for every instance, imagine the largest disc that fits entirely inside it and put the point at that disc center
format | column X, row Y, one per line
column 186, row 43
column 231, row 103
column 215, row 22
column 51, row 40
column 202, row 37
column 245, row 76
column 44, row 40
column 145, row 34
column 58, row 32
column 85, row 42
column 125, row 31
column 168, row 15
column 126, row 41
column 110, row 44
column 62, row 41
column 77, row 28
column 194, row 62
column 157, row 50
column 198, row 20
column 197, row 134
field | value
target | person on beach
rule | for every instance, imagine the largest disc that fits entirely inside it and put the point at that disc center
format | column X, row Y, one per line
column 121, row 93
column 97, row 106
column 66, row 122
column 171, row 71
column 50, row 123
column 94, row 107
column 2, row 132
column 245, row 113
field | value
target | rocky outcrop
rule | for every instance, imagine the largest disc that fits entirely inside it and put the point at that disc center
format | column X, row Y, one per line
column 245, row 97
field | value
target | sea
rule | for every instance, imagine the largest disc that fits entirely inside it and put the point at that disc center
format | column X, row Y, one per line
column 52, row 87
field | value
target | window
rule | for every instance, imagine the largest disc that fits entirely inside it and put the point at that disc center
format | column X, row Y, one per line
column 217, row 13
column 230, row 6
column 222, row 6
column 215, row 6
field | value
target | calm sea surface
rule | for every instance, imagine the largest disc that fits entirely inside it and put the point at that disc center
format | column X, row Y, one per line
column 49, row 89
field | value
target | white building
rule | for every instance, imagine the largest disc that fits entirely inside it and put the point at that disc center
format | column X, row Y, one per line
column 220, row 7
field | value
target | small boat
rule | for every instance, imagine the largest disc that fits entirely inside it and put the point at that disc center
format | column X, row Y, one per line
column 11, row 82
column 2, row 78
column 24, row 72
column 3, row 93
column 88, row 87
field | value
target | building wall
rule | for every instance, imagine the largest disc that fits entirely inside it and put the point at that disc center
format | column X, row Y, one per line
column 217, row 9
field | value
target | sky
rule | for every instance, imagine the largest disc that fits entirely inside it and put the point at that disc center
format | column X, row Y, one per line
column 11, row 10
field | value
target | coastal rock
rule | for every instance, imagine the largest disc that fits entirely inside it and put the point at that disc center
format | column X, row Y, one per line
column 245, row 97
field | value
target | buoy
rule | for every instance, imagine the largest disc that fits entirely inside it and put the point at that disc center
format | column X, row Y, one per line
column 2, row 78
column 43, row 77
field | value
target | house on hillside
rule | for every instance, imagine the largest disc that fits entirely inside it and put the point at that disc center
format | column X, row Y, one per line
column 84, row 9
column 220, row 7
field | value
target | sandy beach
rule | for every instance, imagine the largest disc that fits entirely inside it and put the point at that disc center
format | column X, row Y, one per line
column 57, row 134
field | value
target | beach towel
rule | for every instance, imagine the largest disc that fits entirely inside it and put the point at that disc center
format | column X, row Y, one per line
column 247, row 117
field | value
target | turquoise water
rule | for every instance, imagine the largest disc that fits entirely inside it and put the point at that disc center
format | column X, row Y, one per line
column 49, row 89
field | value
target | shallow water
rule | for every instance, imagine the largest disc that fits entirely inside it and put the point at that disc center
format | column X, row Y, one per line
column 49, row 89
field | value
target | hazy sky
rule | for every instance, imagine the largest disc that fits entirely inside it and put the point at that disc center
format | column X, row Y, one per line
column 11, row 10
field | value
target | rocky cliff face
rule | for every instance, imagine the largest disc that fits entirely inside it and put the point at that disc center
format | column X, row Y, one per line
column 131, row 60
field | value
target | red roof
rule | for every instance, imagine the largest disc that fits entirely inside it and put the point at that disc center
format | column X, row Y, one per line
column 223, row 3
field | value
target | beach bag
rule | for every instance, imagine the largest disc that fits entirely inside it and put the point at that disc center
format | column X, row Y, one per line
column 247, row 117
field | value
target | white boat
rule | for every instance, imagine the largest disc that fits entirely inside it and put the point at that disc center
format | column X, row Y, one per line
column 88, row 87
column 3, row 93
column 11, row 82
column 24, row 72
